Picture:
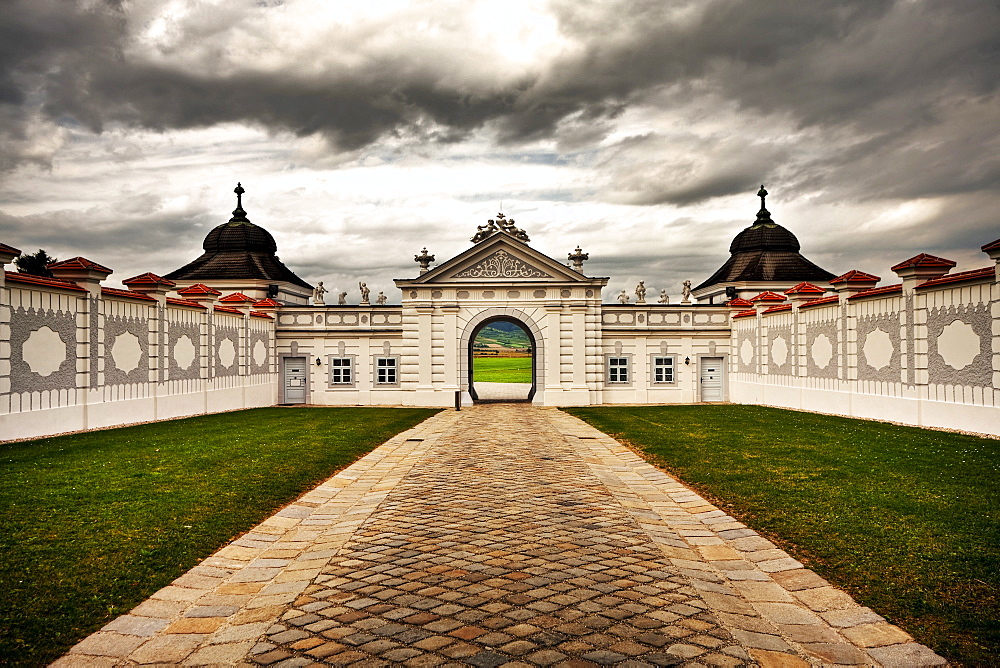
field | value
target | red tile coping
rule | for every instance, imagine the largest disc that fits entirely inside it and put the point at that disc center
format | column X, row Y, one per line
column 79, row 263
column 115, row 292
column 267, row 303
column 804, row 288
column 4, row 248
column 884, row 290
column 228, row 309
column 737, row 302
column 236, row 298
column 778, row 307
column 975, row 274
column 148, row 278
column 854, row 276
column 184, row 302
column 18, row 277
column 833, row 299
column 745, row 314
column 198, row 289
column 768, row 296
column 924, row 260
column 993, row 245
column 258, row 314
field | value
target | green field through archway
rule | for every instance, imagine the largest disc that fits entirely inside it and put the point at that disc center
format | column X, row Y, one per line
column 501, row 353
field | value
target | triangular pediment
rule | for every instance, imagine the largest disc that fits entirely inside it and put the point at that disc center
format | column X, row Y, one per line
column 500, row 258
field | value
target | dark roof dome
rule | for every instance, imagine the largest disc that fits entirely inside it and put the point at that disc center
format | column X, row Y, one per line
column 765, row 236
column 239, row 236
column 766, row 251
column 238, row 250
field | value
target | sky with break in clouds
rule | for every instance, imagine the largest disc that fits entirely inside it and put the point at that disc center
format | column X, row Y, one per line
column 362, row 132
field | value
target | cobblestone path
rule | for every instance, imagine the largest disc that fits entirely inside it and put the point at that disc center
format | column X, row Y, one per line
column 501, row 535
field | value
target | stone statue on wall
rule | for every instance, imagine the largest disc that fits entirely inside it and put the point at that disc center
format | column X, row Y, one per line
column 623, row 297
column 686, row 292
column 380, row 299
column 640, row 293
column 664, row 299
column 342, row 300
column 364, row 292
column 318, row 293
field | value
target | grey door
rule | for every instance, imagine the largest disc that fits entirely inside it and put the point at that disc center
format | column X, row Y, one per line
column 711, row 379
column 294, row 381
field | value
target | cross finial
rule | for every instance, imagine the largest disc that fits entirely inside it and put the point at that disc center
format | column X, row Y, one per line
column 239, row 215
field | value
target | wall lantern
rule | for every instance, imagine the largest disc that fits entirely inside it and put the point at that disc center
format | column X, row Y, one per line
column 319, row 362
column 687, row 360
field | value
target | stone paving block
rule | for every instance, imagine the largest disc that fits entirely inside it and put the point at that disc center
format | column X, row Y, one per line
column 875, row 635
column 136, row 626
column 497, row 540
column 906, row 654
column 105, row 643
column 167, row 649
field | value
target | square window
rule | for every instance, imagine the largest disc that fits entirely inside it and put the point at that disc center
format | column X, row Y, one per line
column 618, row 370
column 663, row 369
column 385, row 371
column 341, row 370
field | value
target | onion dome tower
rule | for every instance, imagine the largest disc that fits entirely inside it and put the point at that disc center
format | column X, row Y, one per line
column 764, row 256
column 240, row 257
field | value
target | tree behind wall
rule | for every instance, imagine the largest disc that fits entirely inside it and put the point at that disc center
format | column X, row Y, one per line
column 35, row 263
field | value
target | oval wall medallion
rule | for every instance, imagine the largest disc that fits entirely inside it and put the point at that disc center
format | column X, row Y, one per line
column 566, row 293
column 590, row 293
column 436, row 294
column 487, row 294
column 463, row 294
column 539, row 294
column 513, row 294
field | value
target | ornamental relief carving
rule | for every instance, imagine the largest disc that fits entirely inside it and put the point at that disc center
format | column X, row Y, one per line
column 502, row 264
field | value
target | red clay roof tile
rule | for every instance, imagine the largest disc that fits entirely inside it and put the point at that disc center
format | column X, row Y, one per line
column 79, row 263
column 924, row 260
column 148, row 278
column 184, row 302
column 745, row 314
column 768, row 296
column 885, row 289
column 198, row 289
column 993, row 245
column 115, row 292
column 42, row 280
column 738, row 302
column 855, row 276
column 822, row 300
column 975, row 274
column 9, row 249
column 804, row 288
column 778, row 307
column 258, row 314
column 266, row 303
column 228, row 309
column 236, row 298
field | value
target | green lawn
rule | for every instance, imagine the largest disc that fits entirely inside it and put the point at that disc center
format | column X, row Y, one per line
column 905, row 519
column 94, row 523
column 501, row 369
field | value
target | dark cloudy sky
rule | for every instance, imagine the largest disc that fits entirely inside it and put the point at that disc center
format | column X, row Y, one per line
column 363, row 131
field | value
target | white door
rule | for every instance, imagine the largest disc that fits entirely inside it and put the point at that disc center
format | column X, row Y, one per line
column 295, row 380
column 711, row 379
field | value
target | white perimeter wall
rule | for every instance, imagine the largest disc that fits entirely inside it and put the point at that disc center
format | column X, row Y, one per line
column 922, row 356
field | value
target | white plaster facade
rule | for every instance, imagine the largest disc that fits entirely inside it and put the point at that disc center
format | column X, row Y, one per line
column 74, row 355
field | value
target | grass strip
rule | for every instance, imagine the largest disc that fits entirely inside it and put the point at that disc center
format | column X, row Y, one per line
column 904, row 519
column 501, row 369
column 93, row 523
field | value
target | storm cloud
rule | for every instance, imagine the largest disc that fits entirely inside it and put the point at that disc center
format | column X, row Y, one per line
column 675, row 107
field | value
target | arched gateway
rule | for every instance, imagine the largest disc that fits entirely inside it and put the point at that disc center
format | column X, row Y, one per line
column 488, row 317
column 502, row 278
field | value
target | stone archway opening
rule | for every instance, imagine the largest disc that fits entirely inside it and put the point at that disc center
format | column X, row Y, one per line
column 502, row 361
